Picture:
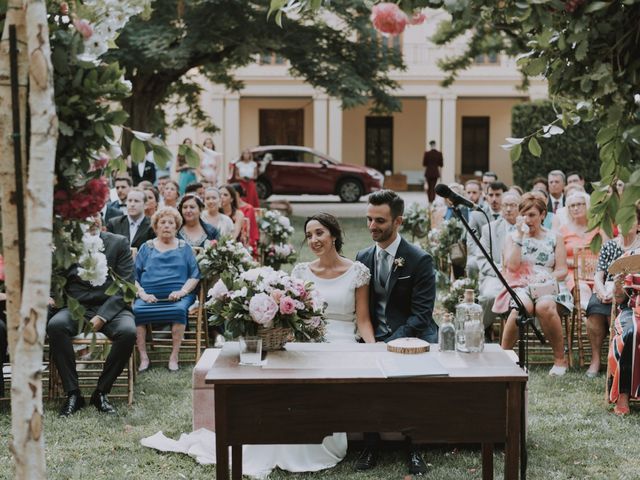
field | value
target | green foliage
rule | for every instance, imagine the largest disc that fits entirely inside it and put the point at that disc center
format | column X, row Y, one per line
column 574, row 150
column 217, row 37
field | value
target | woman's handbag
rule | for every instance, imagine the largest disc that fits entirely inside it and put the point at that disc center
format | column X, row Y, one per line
column 458, row 254
column 538, row 290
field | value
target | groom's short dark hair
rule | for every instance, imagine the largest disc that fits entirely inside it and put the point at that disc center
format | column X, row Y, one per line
column 388, row 197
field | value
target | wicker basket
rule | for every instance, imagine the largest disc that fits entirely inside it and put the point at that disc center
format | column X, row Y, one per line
column 274, row 338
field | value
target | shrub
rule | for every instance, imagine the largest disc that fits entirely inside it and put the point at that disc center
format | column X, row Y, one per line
column 574, row 150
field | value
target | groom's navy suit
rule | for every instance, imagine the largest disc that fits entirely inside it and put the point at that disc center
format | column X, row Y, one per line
column 410, row 293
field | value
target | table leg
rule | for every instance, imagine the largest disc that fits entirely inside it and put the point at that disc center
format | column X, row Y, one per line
column 236, row 462
column 222, row 447
column 487, row 461
column 512, row 446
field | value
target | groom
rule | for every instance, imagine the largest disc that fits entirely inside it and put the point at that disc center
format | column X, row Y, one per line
column 401, row 295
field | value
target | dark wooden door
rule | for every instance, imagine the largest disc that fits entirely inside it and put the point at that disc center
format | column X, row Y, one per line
column 475, row 145
column 379, row 143
column 282, row 126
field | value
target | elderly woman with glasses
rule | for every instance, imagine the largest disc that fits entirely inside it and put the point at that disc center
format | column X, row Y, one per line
column 577, row 235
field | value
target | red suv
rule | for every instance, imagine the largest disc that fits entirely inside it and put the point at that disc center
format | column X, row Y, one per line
column 284, row 169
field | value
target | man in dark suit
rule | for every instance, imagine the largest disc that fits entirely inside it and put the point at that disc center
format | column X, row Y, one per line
column 432, row 162
column 144, row 170
column 134, row 225
column 118, row 207
column 556, row 180
column 108, row 314
column 401, row 295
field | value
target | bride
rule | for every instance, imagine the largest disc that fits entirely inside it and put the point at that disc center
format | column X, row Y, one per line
column 344, row 286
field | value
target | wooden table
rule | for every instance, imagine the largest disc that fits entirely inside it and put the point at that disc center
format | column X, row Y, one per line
column 480, row 401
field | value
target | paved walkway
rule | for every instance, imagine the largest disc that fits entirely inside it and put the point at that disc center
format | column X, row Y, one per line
column 306, row 205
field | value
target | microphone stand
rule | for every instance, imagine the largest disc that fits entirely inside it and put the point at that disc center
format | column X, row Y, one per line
column 523, row 321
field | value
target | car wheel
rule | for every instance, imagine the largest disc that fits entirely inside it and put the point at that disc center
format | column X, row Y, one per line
column 263, row 188
column 350, row 190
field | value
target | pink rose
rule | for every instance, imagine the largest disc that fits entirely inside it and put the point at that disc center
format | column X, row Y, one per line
column 99, row 164
column 84, row 28
column 389, row 18
column 287, row 305
column 263, row 309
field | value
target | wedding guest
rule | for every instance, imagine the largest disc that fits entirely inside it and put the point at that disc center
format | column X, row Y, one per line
column 624, row 362
column 489, row 285
column 544, row 196
column 557, row 181
column 166, row 277
column 183, row 173
column 229, row 206
column 145, row 170
column 152, row 200
column 196, row 188
column 487, row 179
column 194, row 231
column 249, row 213
column 211, row 162
column 576, row 235
column 106, row 313
column 516, row 189
column 561, row 216
column 212, row 214
column 170, row 194
column 540, row 183
column 473, row 191
column 134, row 225
column 575, row 177
column 245, row 172
column 118, row 207
column 162, row 181
column 599, row 308
column 536, row 256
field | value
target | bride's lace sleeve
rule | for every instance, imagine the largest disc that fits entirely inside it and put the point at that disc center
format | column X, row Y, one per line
column 299, row 270
column 362, row 275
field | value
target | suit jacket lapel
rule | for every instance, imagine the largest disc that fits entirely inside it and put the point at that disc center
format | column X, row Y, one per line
column 142, row 229
column 395, row 270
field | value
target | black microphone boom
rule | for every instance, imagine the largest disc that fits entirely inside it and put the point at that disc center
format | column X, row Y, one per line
column 445, row 192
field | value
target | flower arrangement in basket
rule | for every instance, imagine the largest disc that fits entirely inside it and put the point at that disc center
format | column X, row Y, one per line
column 416, row 220
column 453, row 296
column 276, row 255
column 224, row 255
column 269, row 303
column 440, row 242
column 275, row 231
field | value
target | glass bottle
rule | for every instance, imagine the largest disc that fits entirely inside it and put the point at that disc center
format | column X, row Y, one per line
column 469, row 326
column 447, row 334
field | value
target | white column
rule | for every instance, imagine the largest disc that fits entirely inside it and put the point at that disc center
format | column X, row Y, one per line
column 320, row 133
column 335, row 128
column 434, row 114
column 216, row 110
column 231, row 131
column 449, row 138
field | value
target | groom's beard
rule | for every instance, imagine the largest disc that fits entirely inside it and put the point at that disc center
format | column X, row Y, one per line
column 378, row 235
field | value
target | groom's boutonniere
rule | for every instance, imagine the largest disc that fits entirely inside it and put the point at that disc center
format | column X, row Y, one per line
column 398, row 262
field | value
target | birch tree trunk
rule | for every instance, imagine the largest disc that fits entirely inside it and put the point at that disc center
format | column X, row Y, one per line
column 15, row 16
column 26, row 393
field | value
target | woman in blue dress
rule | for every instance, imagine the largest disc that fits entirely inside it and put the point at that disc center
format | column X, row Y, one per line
column 166, row 277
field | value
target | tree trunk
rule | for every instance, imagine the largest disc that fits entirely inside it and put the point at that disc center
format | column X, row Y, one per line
column 26, row 397
column 11, row 251
column 147, row 92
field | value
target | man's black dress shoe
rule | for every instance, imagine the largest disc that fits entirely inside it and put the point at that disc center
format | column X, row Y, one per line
column 416, row 463
column 101, row 402
column 366, row 460
column 74, row 402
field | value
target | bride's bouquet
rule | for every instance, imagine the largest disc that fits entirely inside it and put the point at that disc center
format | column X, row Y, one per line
column 264, row 298
column 224, row 255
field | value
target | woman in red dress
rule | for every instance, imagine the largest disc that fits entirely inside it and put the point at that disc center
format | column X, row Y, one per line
column 245, row 172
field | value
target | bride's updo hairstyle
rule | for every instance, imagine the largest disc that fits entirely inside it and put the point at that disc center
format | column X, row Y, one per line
column 329, row 222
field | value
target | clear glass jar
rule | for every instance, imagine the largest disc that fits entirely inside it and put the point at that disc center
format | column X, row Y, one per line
column 469, row 327
column 447, row 334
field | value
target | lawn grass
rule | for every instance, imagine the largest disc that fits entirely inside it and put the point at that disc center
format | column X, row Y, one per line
column 571, row 432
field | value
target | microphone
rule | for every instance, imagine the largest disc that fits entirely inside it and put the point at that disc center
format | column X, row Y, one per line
column 445, row 192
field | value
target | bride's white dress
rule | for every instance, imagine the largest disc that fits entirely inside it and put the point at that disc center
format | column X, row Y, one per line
column 259, row 460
